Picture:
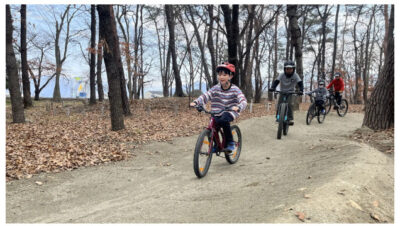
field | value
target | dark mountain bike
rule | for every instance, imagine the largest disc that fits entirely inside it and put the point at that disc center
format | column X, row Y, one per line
column 314, row 111
column 331, row 101
column 282, row 113
column 214, row 137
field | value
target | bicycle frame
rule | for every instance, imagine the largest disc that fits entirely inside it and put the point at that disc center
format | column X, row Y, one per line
column 214, row 135
column 285, row 96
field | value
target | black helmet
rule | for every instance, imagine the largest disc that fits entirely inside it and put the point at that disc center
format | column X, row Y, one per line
column 289, row 64
column 321, row 82
column 337, row 74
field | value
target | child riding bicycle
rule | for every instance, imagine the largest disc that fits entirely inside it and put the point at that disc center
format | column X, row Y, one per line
column 289, row 79
column 321, row 94
column 223, row 95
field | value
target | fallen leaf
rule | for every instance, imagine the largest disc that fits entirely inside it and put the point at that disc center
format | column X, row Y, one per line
column 375, row 217
column 300, row 215
column 375, row 203
column 355, row 205
column 307, row 196
column 38, row 183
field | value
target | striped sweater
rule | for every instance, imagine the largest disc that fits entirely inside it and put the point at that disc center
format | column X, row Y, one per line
column 220, row 99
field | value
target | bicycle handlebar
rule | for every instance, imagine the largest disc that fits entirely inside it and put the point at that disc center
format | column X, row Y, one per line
column 200, row 108
column 288, row 92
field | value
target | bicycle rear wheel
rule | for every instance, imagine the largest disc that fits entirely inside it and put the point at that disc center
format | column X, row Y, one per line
column 202, row 154
column 310, row 114
column 237, row 138
column 342, row 109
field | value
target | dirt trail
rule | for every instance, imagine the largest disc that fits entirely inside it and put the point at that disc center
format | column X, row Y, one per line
column 315, row 170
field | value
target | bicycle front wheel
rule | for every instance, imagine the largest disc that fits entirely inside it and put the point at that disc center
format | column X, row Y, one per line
column 281, row 119
column 321, row 116
column 328, row 105
column 310, row 114
column 237, row 138
column 342, row 109
column 202, row 154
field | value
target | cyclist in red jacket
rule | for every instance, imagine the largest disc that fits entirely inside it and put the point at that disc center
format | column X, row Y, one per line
column 338, row 87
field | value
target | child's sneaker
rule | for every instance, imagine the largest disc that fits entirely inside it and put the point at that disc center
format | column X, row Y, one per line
column 230, row 148
column 214, row 148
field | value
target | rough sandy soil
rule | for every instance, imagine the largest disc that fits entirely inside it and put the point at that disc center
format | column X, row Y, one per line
column 315, row 170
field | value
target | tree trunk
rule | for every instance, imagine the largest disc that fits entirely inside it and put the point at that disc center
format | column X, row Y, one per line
column 60, row 60
column 295, row 34
column 232, row 35
column 99, row 63
column 24, row 63
column 379, row 112
column 245, row 75
column 166, row 76
column 367, row 57
column 324, row 18
column 356, row 63
column 343, row 41
column 112, row 59
column 287, row 38
column 127, row 46
column 210, row 44
column 136, row 57
column 335, row 42
column 275, row 55
column 385, row 40
column 171, row 27
column 93, row 55
column 17, row 105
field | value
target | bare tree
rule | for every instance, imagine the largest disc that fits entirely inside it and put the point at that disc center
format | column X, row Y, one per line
column 356, row 60
column 64, row 20
column 171, row 27
column 324, row 19
column 24, row 61
column 367, row 57
column 189, row 14
column 12, row 73
column 93, row 55
column 335, row 41
column 112, row 59
column 164, row 53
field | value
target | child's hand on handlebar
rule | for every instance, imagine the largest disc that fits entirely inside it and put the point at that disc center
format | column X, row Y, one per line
column 193, row 104
column 235, row 108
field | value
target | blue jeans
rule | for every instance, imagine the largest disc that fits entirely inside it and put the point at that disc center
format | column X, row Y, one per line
column 223, row 122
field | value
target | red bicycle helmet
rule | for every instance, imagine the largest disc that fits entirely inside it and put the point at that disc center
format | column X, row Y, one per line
column 226, row 66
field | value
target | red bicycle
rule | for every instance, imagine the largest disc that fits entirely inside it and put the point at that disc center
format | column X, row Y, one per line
column 214, row 137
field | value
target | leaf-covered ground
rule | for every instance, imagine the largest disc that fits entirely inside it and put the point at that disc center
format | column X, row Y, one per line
column 65, row 136
column 383, row 140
